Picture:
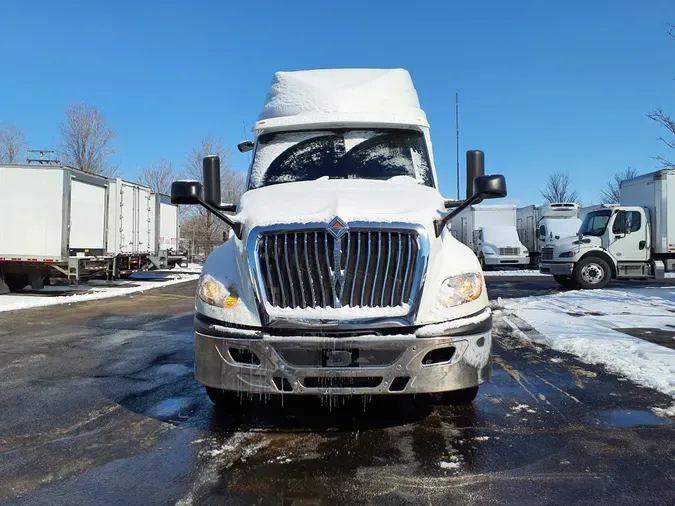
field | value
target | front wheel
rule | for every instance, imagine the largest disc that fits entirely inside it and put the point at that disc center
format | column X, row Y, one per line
column 223, row 398
column 483, row 265
column 592, row 273
column 460, row 397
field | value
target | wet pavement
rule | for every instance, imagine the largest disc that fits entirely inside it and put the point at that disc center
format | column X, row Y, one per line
column 98, row 406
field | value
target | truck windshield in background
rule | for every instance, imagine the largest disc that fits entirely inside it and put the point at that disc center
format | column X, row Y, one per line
column 595, row 223
column 340, row 154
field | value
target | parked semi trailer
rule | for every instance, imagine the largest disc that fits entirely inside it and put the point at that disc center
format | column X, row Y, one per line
column 61, row 226
column 546, row 224
column 490, row 232
column 635, row 239
column 341, row 276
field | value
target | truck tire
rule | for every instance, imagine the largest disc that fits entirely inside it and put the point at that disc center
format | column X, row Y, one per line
column 460, row 397
column 566, row 281
column 223, row 398
column 483, row 265
column 16, row 282
column 592, row 273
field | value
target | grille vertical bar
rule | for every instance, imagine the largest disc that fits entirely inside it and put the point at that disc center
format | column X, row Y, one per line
column 378, row 268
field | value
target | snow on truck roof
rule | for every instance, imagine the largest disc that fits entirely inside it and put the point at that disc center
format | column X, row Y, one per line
column 315, row 97
column 492, row 207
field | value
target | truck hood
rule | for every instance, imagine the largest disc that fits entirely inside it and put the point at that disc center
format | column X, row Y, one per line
column 568, row 244
column 395, row 200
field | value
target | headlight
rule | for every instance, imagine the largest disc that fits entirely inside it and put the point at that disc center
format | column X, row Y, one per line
column 214, row 293
column 567, row 254
column 461, row 289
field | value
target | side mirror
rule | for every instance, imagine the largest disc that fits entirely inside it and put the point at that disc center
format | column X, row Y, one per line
column 186, row 192
column 245, row 147
column 490, row 187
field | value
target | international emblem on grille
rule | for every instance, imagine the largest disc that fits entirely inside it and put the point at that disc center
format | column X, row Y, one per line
column 337, row 228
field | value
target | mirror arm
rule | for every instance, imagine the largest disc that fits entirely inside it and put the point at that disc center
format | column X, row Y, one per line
column 235, row 225
column 450, row 204
column 440, row 224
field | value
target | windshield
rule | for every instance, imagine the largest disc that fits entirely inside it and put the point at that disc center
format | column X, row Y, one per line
column 340, row 154
column 595, row 223
column 502, row 236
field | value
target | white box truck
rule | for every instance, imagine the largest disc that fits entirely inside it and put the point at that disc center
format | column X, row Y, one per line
column 490, row 232
column 66, row 222
column 635, row 239
column 539, row 225
column 58, row 217
column 341, row 276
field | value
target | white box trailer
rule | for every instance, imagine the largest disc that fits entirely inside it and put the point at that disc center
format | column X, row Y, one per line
column 54, row 213
column 490, row 231
column 543, row 224
column 130, row 218
column 165, row 227
column 655, row 192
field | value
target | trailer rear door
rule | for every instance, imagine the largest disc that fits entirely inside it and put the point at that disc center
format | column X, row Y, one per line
column 128, row 218
column 87, row 217
column 168, row 226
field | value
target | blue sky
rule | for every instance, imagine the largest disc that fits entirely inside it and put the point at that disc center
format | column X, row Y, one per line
column 543, row 85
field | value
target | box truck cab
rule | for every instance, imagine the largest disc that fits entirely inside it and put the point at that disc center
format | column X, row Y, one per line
column 546, row 224
column 341, row 276
column 635, row 239
column 490, row 232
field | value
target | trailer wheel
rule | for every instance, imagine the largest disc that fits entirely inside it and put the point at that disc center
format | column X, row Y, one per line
column 592, row 273
column 223, row 398
column 16, row 282
column 460, row 397
column 566, row 281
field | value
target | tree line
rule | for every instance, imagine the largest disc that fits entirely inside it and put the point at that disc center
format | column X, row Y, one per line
column 88, row 141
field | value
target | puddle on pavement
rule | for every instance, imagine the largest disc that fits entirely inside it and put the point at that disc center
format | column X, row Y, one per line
column 630, row 418
column 171, row 408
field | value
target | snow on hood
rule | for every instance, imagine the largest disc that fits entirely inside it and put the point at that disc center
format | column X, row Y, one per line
column 396, row 200
column 501, row 236
column 568, row 243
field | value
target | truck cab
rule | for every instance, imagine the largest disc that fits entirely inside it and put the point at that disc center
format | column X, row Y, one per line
column 612, row 242
column 341, row 276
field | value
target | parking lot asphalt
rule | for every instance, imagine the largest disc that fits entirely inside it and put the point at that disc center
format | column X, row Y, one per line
column 98, row 405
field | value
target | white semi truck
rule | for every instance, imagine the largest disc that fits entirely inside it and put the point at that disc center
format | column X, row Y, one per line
column 341, row 275
column 635, row 239
column 490, row 232
column 65, row 222
column 539, row 225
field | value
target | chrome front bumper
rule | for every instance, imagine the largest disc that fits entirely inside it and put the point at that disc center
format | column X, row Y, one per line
column 506, row 260
column 443, row 360
column 556, row 268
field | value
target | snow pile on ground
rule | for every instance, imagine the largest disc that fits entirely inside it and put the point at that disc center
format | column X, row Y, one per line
column 196, row 268
column 583, row 323
column 84, row 293
column 515, row 272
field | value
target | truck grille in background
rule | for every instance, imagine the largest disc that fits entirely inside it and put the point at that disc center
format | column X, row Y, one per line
column 509, row 251
column 547, row 253
column 378, row 268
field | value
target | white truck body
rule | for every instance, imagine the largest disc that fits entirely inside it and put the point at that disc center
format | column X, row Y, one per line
column 635, row 239
column 55, row 211
column 340, row 233
column 655, row 192
column 490, row 232
column 165, row 226
column 545, row 224
column 131, row 216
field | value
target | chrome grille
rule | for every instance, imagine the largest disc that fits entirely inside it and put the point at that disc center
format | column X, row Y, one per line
column 313, row 269
column 509, row 251
column 547, row 253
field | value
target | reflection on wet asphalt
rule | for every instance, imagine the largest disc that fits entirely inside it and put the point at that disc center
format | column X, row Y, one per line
column 104, row 409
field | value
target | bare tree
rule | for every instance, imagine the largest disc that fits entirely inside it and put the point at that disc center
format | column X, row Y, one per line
column 12, row 142
column 158, row 176
column 558, row 189
column 665, row 121
column 612, row 192
column 206, row 229
column 87, row 140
